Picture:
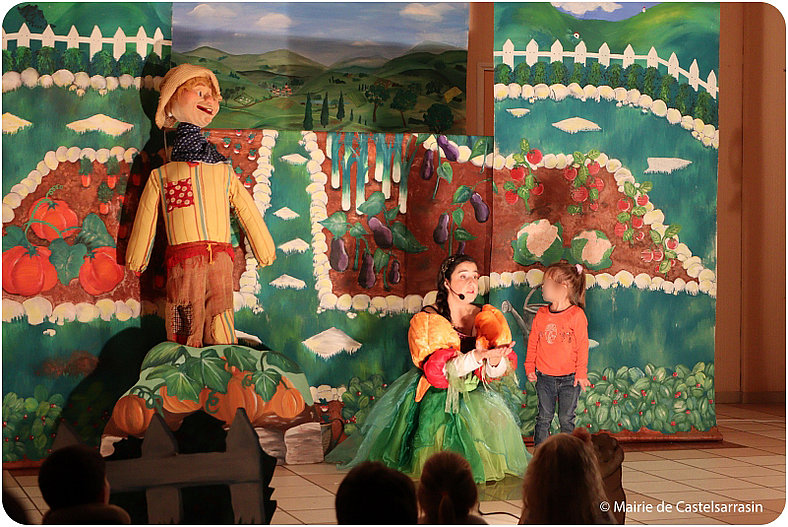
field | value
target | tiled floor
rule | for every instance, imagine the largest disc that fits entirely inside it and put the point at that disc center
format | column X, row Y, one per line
column 751, row 473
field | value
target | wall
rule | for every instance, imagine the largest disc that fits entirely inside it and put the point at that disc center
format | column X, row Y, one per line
column 750, row 329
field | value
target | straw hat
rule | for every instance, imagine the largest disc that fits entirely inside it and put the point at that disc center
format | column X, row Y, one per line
column 172, row 80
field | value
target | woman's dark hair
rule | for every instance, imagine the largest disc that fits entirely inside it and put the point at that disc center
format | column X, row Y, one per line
column 446, row 490
column 372, row 493
column 444, row 273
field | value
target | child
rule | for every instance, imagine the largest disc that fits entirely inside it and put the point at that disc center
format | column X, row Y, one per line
column 557, row 355
column 563, row 485
column 374, row 494
column 447, row 492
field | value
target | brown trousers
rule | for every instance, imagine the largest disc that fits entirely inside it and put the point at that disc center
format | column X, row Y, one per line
column 200, row 300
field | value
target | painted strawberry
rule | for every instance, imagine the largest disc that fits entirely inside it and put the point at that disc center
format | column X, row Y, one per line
column 624, row 205
column 594, row 205
column 580, row 194
column 593, row 168
column 534, row 156
column 642, row 200
column 511, row 197
column 619, row 229
column 598, row 183
column 637, row 222
column 537, row 190
column 646, row 255
column 658, row 255
column 517, row 173
column 639, row 235
column 671, row 243
column 570, row 173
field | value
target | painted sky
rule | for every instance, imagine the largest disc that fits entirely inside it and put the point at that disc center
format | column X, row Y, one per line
column 325, row 32
column 602, row 10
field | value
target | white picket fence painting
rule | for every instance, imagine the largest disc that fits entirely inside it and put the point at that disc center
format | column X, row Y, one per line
column 96, row 40
column 603, row 56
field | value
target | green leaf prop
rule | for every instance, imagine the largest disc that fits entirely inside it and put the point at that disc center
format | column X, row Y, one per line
column 265, row 383
column 67, row 259
column 164, row 353
column 182, row 386
column 373, row 205
column 404, row 239
column 239, row 357
column 208, row 370
column 94, row 233
column 336, row 224
column 278, row 360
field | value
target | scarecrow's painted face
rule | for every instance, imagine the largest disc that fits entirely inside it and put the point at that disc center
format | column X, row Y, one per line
column 196, row 105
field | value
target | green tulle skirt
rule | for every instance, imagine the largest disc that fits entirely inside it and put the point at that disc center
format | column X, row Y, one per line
column 402, row 433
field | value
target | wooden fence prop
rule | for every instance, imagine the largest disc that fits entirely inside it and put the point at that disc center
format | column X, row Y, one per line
column 161, row 472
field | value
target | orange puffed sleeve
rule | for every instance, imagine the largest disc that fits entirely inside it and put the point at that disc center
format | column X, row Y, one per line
column 492, row 330
column 429, row 332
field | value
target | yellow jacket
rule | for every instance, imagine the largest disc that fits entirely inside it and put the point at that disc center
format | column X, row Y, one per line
column 195, row 200
column 430, row 332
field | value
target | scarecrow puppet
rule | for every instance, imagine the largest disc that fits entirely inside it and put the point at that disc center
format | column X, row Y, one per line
column 195, row 191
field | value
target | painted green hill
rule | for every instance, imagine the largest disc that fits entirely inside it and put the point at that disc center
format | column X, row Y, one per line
column 280, row 61
column 108, row 16
column 691, row 30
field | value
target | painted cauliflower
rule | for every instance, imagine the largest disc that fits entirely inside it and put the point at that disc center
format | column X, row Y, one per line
column 592, row 249
column 538, row 241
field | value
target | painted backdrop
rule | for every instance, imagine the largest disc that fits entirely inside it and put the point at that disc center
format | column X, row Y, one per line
column 361, row 222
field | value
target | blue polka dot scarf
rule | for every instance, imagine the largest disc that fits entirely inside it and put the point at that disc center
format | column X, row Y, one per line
column 191, row 145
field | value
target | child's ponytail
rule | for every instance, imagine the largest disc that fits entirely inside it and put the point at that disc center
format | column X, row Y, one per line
column 574, row 278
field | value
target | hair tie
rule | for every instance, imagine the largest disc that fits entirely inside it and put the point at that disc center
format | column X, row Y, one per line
column 579, row 268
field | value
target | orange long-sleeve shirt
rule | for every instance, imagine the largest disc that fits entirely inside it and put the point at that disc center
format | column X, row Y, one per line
column 558, row 343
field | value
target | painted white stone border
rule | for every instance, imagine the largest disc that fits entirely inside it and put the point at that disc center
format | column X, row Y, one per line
column 707, row 278
column 381, row 305
column 705, row 133
column 78, row 82
column 38, row 308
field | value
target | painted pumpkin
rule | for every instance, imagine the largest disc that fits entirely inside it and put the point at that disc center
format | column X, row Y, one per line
column 28, row 271
column 131, row 415
column 287, row 401
column 100, row 271
column 174, row 405
column 237, row 396
column 57, row 213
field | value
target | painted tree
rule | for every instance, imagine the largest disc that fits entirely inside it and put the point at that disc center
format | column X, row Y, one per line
column 702, row 108
column 341, row 107
column 8, row 61
column 522, row 73
column 308, row 125
column 594, row 74
column 667, row 88
column 684, row 99
column 404, row 100
column 23, row 58
column 557, row 73
column 130, row 63
column 578, row 73
column 103, row 63
column 324, row 112
column 377, row 94
column 633, row 76
column 613, row 76
column 502, row 73
column 439, row 118
column 651, row 81
column 539, row 73
column 351, row 115
column 46, row 60
column 75, row 60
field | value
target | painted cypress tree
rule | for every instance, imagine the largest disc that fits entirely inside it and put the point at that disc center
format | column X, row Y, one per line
column 341, row 109
column 324, row 111
column 308, row 125
column 351, row 115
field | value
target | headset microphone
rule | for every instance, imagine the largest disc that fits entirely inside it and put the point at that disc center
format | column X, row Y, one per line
column 460, row 295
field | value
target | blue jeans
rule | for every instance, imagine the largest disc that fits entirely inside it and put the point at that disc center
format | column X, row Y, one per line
column 548, row 389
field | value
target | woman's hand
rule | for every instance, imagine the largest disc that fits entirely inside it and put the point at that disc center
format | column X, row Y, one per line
column 480, row 354
column 494, row 355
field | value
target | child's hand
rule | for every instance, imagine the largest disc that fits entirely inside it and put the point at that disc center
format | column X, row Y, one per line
column 584, row 383
column 531, row 377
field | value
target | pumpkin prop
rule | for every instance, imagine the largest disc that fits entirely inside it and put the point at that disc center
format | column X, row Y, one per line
column 194, row 193
column 131, row 415
column 491, row 328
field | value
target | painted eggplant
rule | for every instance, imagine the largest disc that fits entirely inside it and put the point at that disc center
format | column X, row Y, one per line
column 382, row 234
column 366, row 276
column 394, row 275
column 338, row 258
column 451, row 151
column 426, row 165
column 441, row 232
column 480, row 208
